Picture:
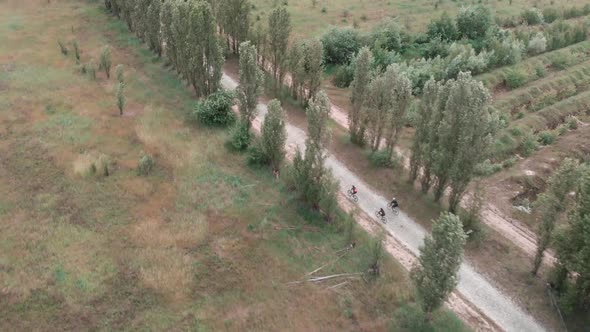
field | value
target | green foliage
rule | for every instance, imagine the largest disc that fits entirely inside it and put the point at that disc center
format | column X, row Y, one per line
column 411, row 318
column 561, row 60
column 120, row 97
column 532, row 16
column 343, row 76
column 251, row 80
column 359, row 86
column 216, row 109
column 561, row 34
column 537, row 44
column 487, row 168
column 540, row 71
column 435, row 276
column 546, row 137
column 240, row 136
column 382, row 158
column 120, row 73
column 474, row 22
column 76, row 50
column 273, row 134
column 105, row 61
column 550, row 14
column 572, row 122
column 153, row 34
column 91, row 70
column 443, row 28
column 279, row 29
column 389, row 35
column 234, row 17
column 340, row 45
column 146, row 165
column 528, row 145
column 515, row 78
column 62, row 47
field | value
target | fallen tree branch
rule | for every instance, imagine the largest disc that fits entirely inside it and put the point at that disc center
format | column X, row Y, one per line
column 327, row 264
column 338, row 285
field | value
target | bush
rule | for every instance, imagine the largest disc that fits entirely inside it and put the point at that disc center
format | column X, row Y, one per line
column 509, row 162
column 256, row 155
column 91, row 69
column 411, row 318
column 540, row 71
column 62, row 47
column 487, row 168
column 240, row 136
column 546, row 138
column 550, row 14
column 537, row 44
column 105, row 61
column 343, row 76
column 508, row 52
column 390, row 36
column 561, row 60
column 528, row 145
column 474, row 22
column 382, row 158
column 340, row 45
column 146, row 165
column 216, row 110
column 443, row 28
column 532, row 16
column 515, row 78
column 572, row 122
column 120, row 74
column 561, row 130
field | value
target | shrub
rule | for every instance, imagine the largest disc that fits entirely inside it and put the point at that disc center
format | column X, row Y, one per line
column 537, row 44
column 120, row 97
column 532, row 16
column 508, row 52
column 540, row 71
column 509, row 162
column 76, row 50
column 256, row 155
column 443, row 28
column 105, row 61
column 240, row 136
column 91, row 69
column 63, row 48
column 340, row 45
column 546, row 138
column 561, row 130
column 382, row 158
column 343, row 76
column 216, row 109
column 487, row 168
column 515, row 78
column 474, row 22
column 146, row 165
column 411, row 318
column 528, row 145
column 561, row 60
column 550, row 14
column 390, row 35
column 101, row 166
column 463, row 58
column 572, row 122
column 119, row 73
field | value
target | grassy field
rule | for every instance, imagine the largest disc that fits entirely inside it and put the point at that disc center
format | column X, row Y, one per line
column 203, row 243
column 310, row 20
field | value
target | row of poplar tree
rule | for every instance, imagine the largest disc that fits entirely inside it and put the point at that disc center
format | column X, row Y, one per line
column 188, row 36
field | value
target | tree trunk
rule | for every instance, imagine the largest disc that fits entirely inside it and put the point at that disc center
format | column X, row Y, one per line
column 426, row 181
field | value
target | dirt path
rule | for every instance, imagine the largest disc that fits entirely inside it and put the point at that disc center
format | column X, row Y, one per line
column 476, row 300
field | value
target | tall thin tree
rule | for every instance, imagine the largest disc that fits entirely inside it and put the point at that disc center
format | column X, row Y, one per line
column 359, row 87
column 279, row 29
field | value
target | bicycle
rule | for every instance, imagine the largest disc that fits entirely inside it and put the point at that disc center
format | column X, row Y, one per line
column 380, row 217
column 352, row 195
column 393, row 209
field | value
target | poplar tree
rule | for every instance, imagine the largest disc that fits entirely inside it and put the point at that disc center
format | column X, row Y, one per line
column 166, row 17
column 105, row 61
column 273, row 134
column 440, row 258
column 140, row 18
column 309, row 172
column 314, row 66
column 203, row 58
column 465, row 134
column 359, row 87
column 378, row 103
column 259, row 37
column 573, row 251
column 552, row 203
column 251, row 80
column 181, row 28
column 279, row 28
column 296, row 67
column 120, row 97
column 235, row 20
column 154, row 38
column 420, row 144
column 401, row 99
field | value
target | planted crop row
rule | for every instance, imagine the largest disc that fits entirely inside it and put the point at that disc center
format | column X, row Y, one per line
column 547, row 92
column 535, row 67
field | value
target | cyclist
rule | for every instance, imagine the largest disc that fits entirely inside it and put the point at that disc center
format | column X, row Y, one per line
column 382, row 213
column 393, row 203
column 353, row 189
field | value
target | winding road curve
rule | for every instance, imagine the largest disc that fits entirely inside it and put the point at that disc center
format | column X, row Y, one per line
column 473, row 287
